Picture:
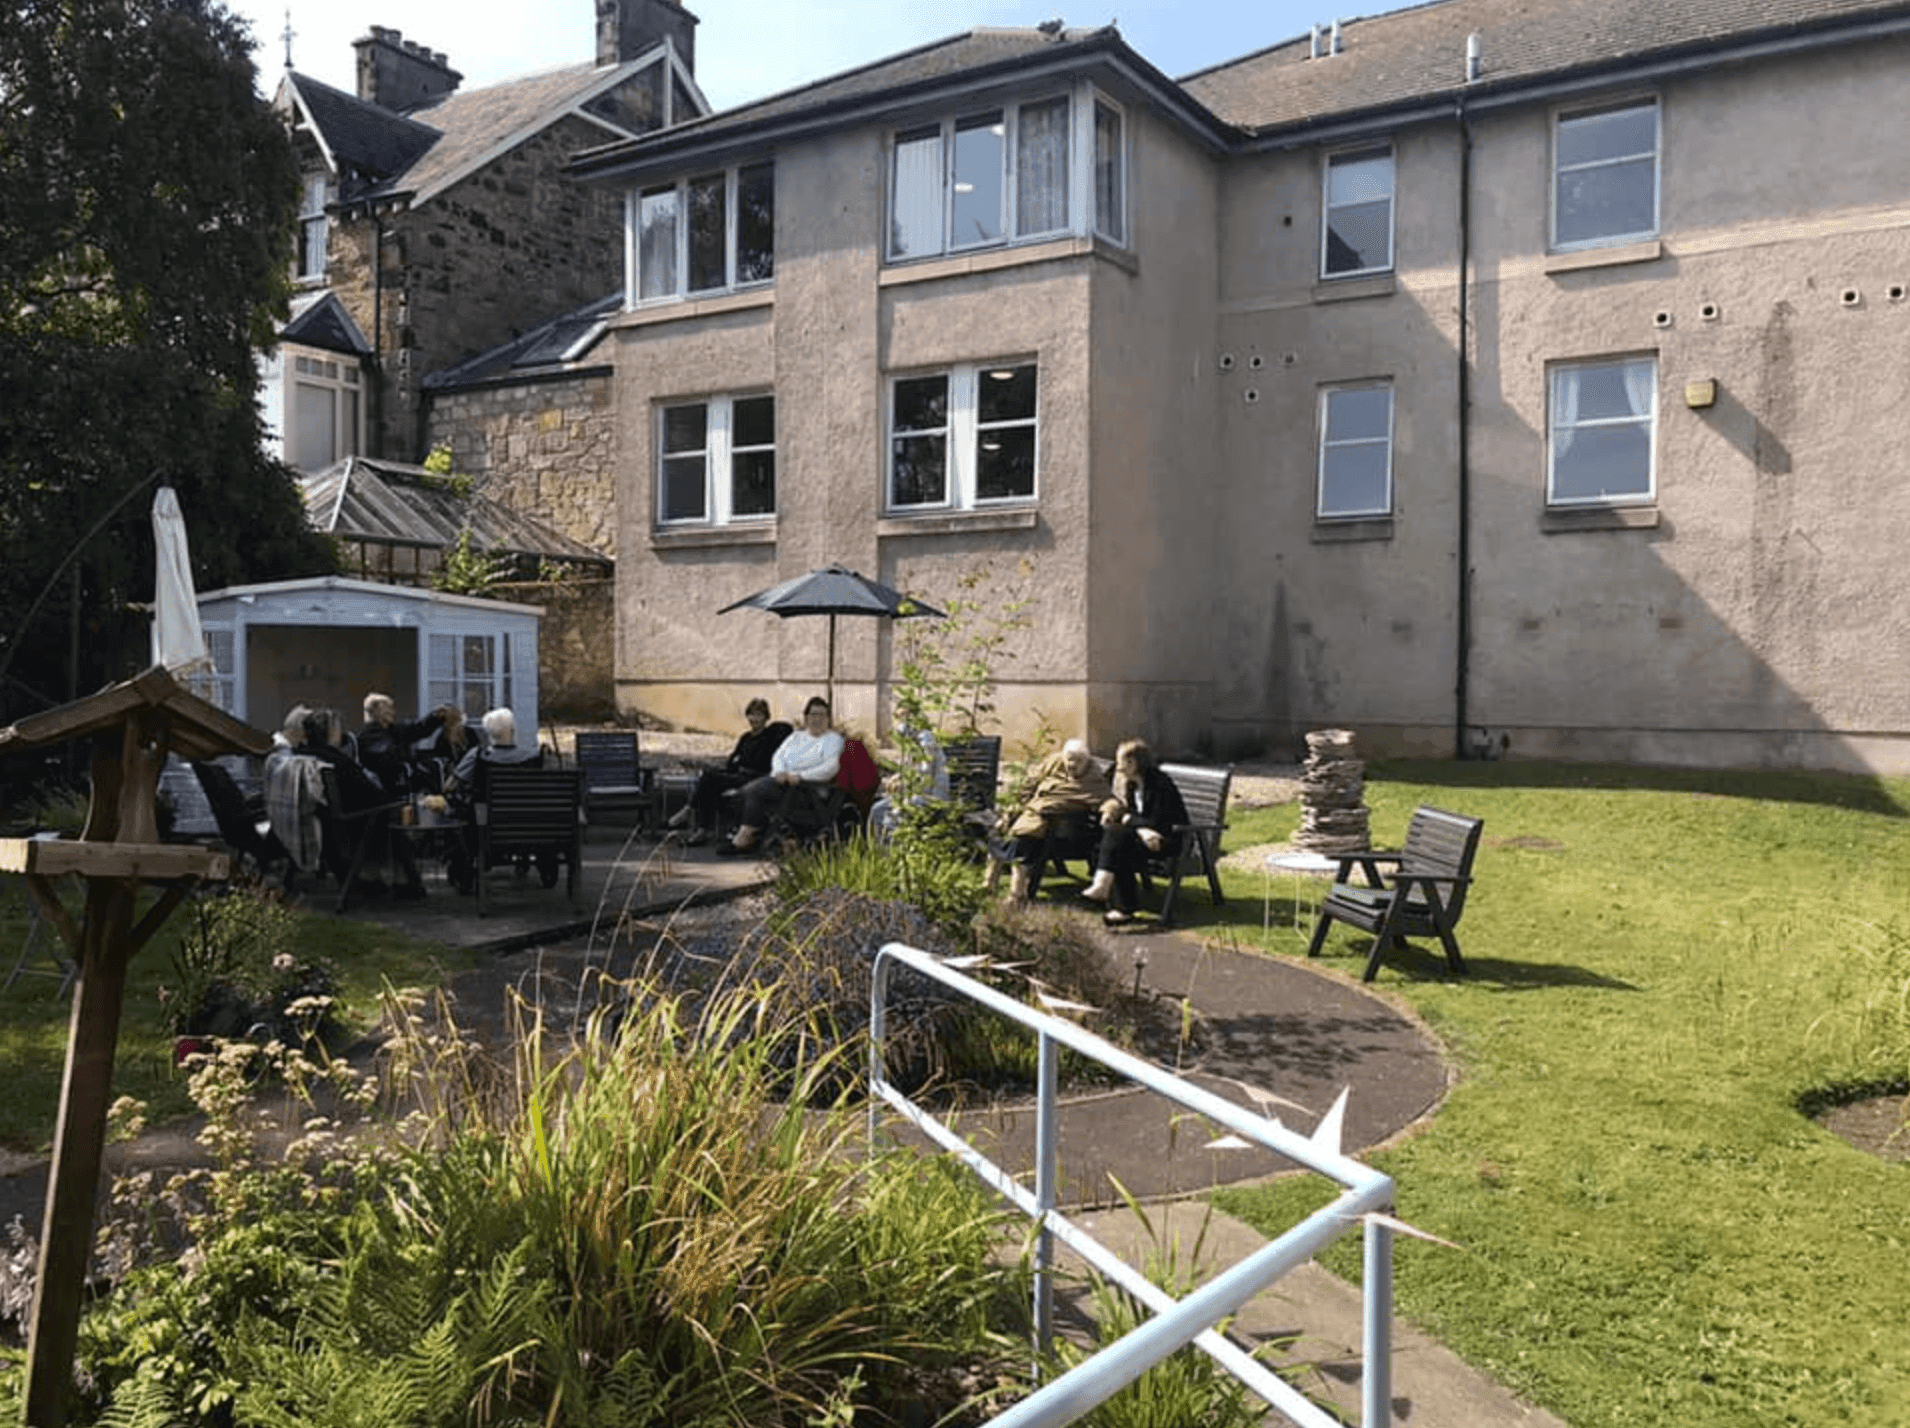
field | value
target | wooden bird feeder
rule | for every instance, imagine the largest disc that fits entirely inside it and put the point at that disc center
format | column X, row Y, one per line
column 132, row 726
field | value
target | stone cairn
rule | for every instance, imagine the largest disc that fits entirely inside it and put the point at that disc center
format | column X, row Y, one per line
column 1334, row 818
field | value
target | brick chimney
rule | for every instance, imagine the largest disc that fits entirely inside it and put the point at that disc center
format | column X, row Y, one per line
column 626, row 28
column 396, row 74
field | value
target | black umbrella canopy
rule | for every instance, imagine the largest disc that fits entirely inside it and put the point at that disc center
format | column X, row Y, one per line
column 834, row 590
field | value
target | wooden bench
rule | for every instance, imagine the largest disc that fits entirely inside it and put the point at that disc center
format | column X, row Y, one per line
column 1424, row 897
column 1203, row 789
column 528, row 814
column 617, row 788
column 974, row 776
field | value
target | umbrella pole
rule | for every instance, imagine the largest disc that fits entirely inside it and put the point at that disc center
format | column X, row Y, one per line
column 831, row 679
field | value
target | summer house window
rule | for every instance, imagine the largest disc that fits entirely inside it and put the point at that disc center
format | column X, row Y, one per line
column 705, row 234
column 1358, row 214
column 1006, row 175
column 1356, row 451
column 472, row 672
column 325, row 420
column 313, row 228
column 1602, row 416
column 716, row 461
column 1605, row 176
column 962, row 438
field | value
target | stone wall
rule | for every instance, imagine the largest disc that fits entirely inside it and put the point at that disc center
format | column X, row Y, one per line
column 547, row 447
column 574, row 655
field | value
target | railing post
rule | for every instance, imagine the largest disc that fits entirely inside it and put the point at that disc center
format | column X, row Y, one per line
column 1376, row 1380
column 1047, row 1190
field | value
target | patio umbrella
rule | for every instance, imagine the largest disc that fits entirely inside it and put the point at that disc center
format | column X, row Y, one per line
column 832, row 591
column 178, row 642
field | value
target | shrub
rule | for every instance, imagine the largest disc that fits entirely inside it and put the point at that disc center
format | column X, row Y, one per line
column 237, row 973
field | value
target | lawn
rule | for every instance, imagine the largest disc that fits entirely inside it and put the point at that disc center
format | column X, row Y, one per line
column 1665, row 968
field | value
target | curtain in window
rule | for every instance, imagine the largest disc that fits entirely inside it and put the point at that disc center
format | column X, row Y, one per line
column 656, row 244
column 915, row 218
column 1565, row 394
column 709, row 233
column 1041, row 167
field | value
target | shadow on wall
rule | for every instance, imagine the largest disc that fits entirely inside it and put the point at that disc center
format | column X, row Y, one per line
column 574, row 677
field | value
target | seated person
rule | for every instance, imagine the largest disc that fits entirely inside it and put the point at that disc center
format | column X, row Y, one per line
column 432, row 764
column 803, row 766
column 365, row 817
column 748, row 760
column 1137, row 823
column 921, row 779
column 384, row 745
column 1065, row 785
column 294, row 792
column 500, row 746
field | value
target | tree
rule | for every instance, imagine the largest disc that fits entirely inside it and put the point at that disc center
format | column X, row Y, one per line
column 147, row 210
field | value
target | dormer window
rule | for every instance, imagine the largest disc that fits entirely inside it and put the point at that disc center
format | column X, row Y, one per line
column 998, row 176
column 708, row 234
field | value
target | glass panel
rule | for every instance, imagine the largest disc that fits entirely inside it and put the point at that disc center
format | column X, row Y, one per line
column 756, row 224
column 1359, row 224
column 1617, row 391
column 1611, row 201
column 1041, row 167
column 753, row 421
column 753, row 483
column 348, row 438
column 1601, row 463
column 656, row 244
column 315, row 413
column 1353, row 480
column 1616, row 134
column 1110, row 198
column 442, row 660
column 709, row 233
column 921, row 403
column 684, row 428
column 1007, row 393
column 981, row 148
column 1005, row 464
column 682, row 495
column 478, row 654
column 1359, row 414
column 919, row 466
column 915, row 217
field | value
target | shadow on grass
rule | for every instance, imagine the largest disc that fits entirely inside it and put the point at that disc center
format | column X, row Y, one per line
column 1428, row 964
column 1862, row 793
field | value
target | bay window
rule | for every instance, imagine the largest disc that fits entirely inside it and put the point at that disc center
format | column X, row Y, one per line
column 324, row 419
column 962, row 438
column 706, row 234
column 716, row 461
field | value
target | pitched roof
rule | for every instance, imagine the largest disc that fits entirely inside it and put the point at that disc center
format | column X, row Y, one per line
column 362, row 140
column 391, row 503
column 551, row 347
column 1419, row 54
column 318, row 319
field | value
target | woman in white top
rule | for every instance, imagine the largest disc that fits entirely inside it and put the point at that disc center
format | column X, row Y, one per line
column 804, row 765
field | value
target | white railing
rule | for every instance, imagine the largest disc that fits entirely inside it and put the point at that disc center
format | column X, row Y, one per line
column 1367, row 1201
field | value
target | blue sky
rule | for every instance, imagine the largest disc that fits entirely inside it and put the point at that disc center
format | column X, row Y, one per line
column 746, row 49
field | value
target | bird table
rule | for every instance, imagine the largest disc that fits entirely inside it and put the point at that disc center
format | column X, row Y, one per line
column 132, row 726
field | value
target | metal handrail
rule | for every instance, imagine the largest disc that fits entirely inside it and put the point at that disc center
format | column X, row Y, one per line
column 1368, row 1196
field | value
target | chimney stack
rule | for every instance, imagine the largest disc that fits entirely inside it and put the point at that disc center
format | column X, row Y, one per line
column 627, row 28
column 396, row 74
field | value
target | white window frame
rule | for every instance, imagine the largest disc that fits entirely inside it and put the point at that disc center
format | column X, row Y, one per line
column 450, row 680
column 1328, row 207
column 1084, row 212
column 1329, row 446
column 720, row 448
column 312, row 370
column 668, row 275
column 1561, row 424
column 309, row 264
column 963, row 435
column 1566, row 117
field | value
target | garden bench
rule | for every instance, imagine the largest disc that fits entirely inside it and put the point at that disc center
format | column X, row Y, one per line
column 974, row 774
column 523, row 814
column 1203, row 789
column 1424, row 897
column 616, row 785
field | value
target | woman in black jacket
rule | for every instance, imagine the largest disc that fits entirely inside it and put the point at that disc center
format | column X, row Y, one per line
column 1139, row 822
column 749, row 760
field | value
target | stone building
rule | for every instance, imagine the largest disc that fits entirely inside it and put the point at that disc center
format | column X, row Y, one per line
column 439, row 222
column 1522, row 371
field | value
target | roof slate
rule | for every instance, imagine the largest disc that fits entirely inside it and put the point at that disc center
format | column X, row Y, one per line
column 376, row 142
column 1419, row 54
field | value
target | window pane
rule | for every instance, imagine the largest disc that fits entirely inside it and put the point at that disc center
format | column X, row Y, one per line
column 980, row 154
column 1359, row 212
column 915, row 218
column 684, row 428
column 1602, row 463
column 656, row 244
column 1602, row 427
column 1353, row 480
column 1612, row 201
column 1110, row 198
column 1360, row 413
column 756, row 224
column 316, row 416
column 1620, row 390
column 1041, row 167
column 681, row 498
column 1007, row 393
column 443, row 659
column 753, row 483
column 921, row 404
column 753, row 422
column 709, row 235
column 1005, row 463
column 478, row 654
column 1599, row 138
column 919, row 467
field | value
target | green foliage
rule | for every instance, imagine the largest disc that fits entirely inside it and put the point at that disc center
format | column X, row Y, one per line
column 237, row 972
column 930, row 869
column 147, row 204
column 437, row 462
column 946, row 678
column 467, row 571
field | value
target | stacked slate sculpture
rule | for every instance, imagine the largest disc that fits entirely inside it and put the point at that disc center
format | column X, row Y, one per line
column 1334, row 818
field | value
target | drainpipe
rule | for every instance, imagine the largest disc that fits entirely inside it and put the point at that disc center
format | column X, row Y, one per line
column 1463, row 653
column 375, row 417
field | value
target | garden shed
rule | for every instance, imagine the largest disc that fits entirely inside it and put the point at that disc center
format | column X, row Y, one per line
column 330, row 641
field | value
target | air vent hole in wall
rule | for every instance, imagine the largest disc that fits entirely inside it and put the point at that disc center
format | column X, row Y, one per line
column 1256, row 361
column 1709, row 312
column 1894, row 292
column 1661, row 319
column 1850, row 297
column 1289, row 359
column 1226, row 361
column 1252, row 395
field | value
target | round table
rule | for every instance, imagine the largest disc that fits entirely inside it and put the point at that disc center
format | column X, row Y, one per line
column 1304, row 868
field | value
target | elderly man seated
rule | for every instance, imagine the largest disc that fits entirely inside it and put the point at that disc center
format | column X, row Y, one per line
column 500, row 746
column 1067, row 789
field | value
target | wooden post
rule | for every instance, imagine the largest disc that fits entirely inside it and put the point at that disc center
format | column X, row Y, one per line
column 66, row 1236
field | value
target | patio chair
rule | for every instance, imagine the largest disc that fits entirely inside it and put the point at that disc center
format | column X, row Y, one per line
column 617, row 788
column 1424, row 897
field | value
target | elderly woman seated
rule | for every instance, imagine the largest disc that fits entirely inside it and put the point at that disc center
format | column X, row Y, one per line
column 803, row 766
column 1068, row 789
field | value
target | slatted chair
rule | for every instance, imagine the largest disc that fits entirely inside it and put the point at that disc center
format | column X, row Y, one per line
column 1424, row 896
column 617, row 788
column 522, row 813
column 359, row 828
column 1204, row 791
column 245, row 829
column 974, row 776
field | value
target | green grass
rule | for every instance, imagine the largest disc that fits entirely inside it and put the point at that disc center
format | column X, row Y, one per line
column 1664, row 965
column 33, row 1017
